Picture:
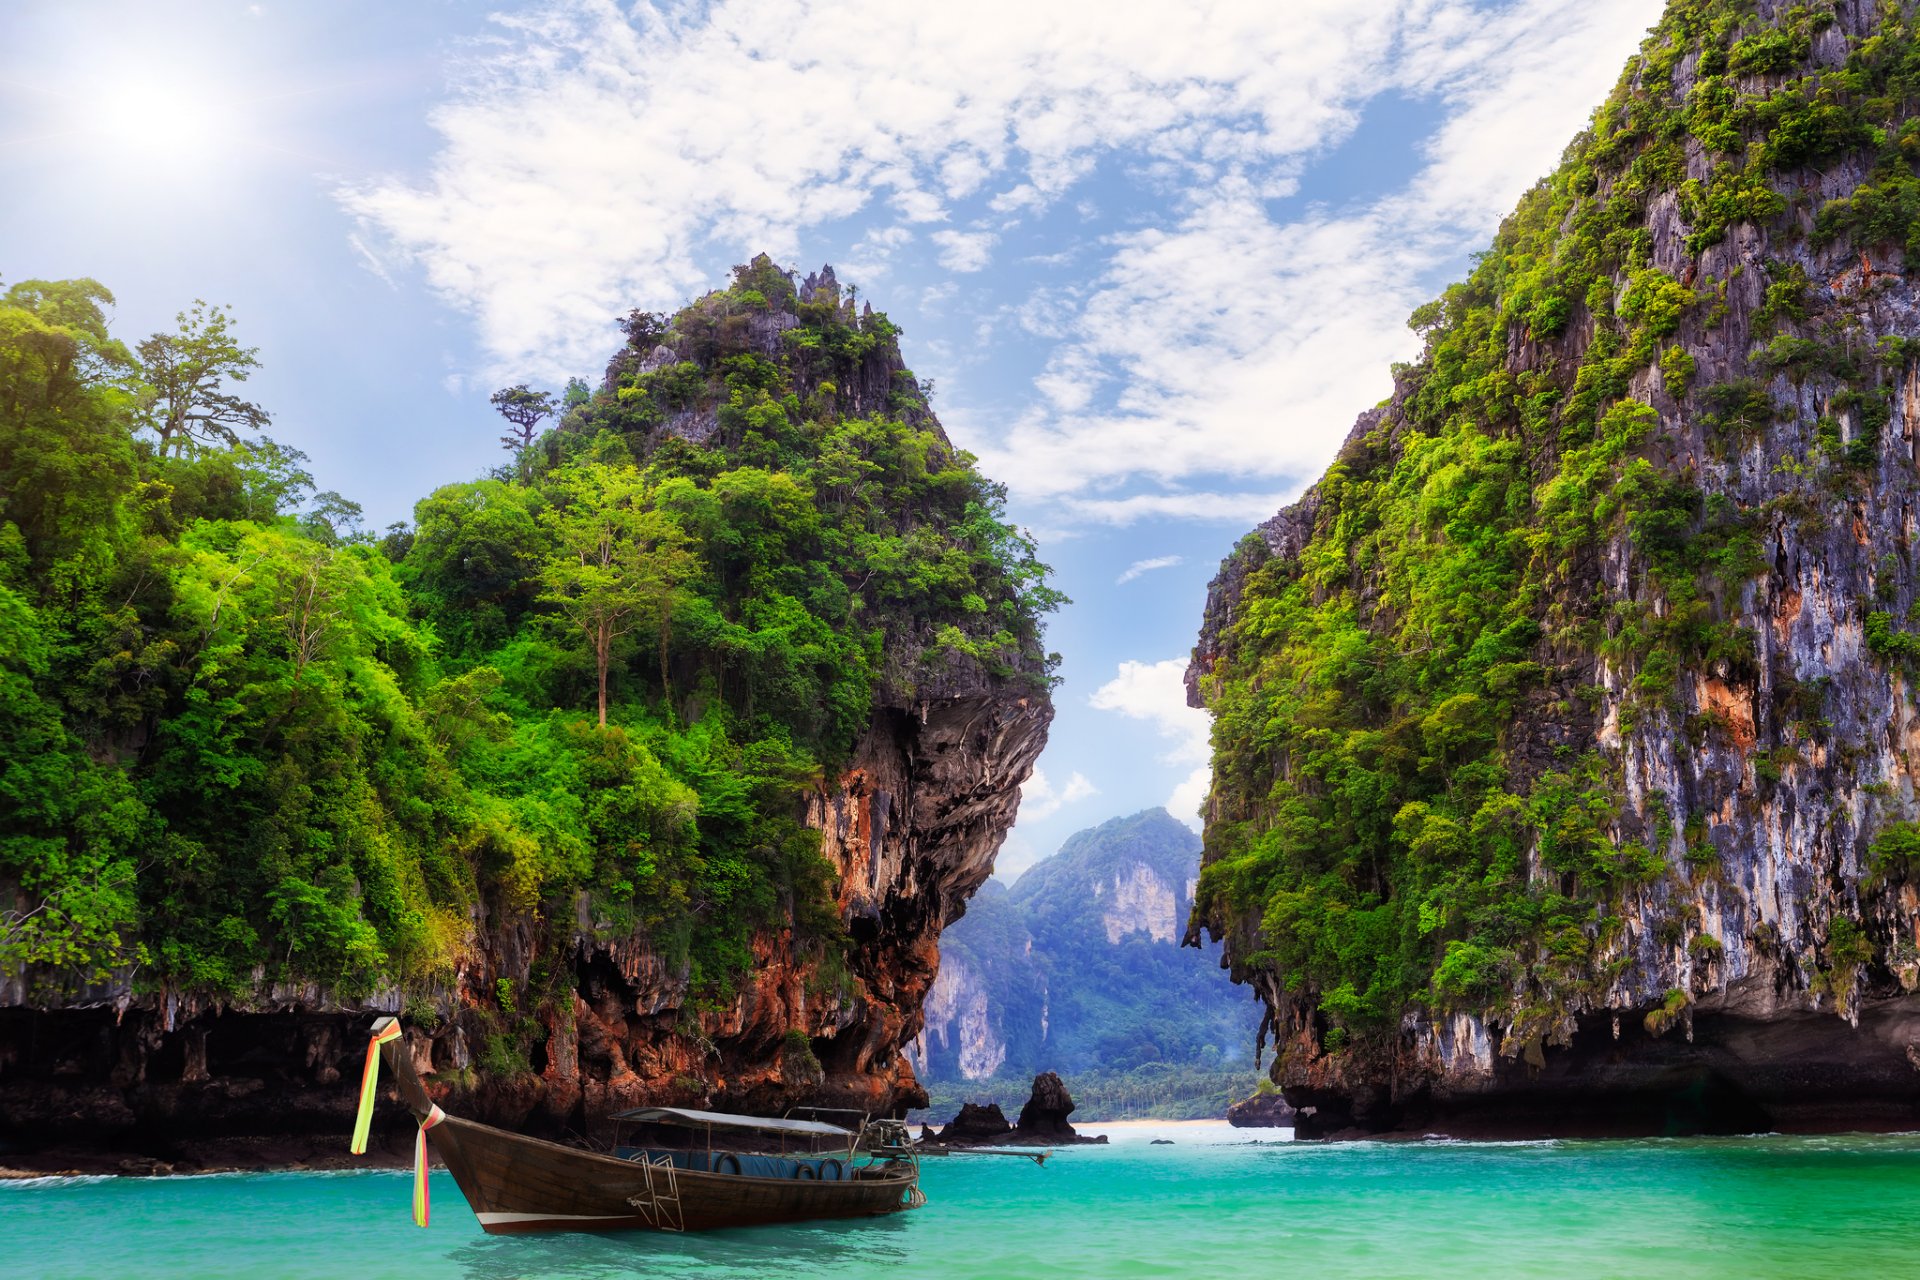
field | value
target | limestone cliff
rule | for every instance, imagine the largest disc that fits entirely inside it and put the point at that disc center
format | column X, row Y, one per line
column 1565, row 738
column 958, row 1023
column 1076, row 967
column 558, row 1013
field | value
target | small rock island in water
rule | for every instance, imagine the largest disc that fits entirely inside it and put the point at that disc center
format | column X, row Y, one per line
column 1043, row 1121
column 1267, row 1109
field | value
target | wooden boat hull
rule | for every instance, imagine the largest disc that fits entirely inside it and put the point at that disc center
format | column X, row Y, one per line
column 519, row 1184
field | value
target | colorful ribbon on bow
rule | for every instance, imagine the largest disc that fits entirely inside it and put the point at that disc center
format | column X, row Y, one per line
column 434, row 1116
column 364, row 1119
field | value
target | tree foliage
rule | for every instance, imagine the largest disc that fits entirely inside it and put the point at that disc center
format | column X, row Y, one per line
column 524, row 411
column 616, row 564
column 187, row 373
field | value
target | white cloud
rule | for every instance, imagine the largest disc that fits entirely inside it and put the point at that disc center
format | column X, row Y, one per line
column 370, row 261
column 920, row 206
column 1240, row 342
column 1039, row 799
column 1156, row 693
column 1236, row 343
column 595, row 152
column 965, row 250
column 1226, row 508
column 1068, row 384
column 1185, row 801
column 1015, row 855
column 601, row 157
column 1139, row 567
column 867, row 261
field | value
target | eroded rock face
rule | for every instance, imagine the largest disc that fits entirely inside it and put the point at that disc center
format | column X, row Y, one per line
column 1047, row 1108
column 1141, row 902
column 1261, row 1111
column 956, row 1017
column 1765, row 978
column 1043, row 1120
column 976, row 1122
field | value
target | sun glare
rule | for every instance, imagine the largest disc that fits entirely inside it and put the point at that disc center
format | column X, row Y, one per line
column 162, row 119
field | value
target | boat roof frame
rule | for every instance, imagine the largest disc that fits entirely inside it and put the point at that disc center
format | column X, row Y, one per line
column 726, row 1120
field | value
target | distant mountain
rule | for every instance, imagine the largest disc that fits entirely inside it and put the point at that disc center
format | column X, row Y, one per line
column 1078, row 967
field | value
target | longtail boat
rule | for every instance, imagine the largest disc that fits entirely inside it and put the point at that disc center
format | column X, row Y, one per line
column 670, row 1169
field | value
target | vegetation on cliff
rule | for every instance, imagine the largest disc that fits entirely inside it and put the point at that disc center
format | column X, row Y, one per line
column 1415, row 806
column 243, row 743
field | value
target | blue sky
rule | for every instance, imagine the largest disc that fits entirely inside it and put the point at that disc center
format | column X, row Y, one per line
column 1155, row 259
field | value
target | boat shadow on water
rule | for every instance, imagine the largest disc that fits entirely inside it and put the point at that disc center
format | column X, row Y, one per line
column 825, row 1248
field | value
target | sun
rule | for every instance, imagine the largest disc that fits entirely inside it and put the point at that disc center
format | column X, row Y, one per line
column 164, row 119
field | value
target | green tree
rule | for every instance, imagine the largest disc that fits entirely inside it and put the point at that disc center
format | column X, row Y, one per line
column 333, row 519
column 524, row 410
column 617, row 561
column 56, row 343
column 474, row 561
column 188, row 372
column 66, row 463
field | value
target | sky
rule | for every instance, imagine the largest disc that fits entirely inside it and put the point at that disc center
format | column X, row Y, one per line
column 1154, row 259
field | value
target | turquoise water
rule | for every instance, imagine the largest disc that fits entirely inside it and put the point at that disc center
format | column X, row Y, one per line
column 1212, row 1206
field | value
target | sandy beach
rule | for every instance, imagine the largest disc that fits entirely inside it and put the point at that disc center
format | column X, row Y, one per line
column 1179, row 1132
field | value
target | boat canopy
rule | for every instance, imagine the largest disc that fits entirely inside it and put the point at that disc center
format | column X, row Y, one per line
column 723, row 1120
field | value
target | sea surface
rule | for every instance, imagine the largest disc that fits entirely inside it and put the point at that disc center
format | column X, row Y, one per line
column 1218, row 1203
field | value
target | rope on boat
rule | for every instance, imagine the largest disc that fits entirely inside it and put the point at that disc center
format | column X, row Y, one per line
column 363, row 1120
column 915, row 1197
column 434, row 1116
column 368, row 1078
